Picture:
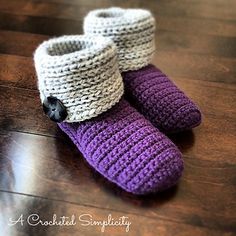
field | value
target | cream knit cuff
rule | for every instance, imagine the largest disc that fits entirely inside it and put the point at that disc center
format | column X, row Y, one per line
column 81, row 72
column 132, row 30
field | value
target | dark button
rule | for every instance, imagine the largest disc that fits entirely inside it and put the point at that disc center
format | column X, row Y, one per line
column 54, row 109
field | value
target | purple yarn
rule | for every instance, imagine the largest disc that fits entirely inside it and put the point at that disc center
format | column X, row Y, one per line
column 126, row 149
column 159, row 100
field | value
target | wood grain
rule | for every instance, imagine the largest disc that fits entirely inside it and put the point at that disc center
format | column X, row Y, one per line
column 18, row 204
column 33, row 12
column 41, row 171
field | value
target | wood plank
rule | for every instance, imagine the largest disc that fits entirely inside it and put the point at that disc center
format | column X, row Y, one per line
column 200, row 44
column 223, row 10
column 17, row 71
column 196, row 67
column 54, row 169
column 46, row 9
column 66, row 10
column 15, row 205
column 204, row 141
column 196, row 25
column 39, row 25
column 21, row 44
column 21, row 110
column 36, row 13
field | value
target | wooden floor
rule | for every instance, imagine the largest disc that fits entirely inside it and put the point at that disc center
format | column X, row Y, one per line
column 41, row 171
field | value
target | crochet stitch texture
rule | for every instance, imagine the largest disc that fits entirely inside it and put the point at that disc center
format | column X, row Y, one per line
column 125, row 148
column 132, row 30
column 161, row 102
column 146, row 87
column 80, row 71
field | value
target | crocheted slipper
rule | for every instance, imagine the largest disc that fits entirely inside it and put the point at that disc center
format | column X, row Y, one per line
column 79, row 82
column 147, row 88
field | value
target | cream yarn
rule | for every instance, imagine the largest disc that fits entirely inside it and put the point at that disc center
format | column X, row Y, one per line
column 82, row 72
column 132, row 30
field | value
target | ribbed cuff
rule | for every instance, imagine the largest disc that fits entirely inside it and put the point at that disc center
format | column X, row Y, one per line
column 132, row 30
column 82, row 72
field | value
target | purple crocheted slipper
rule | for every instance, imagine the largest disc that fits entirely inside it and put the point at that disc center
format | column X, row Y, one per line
column 166, row 106
column 147, row 88
column 125, row 148
column 81, row 87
